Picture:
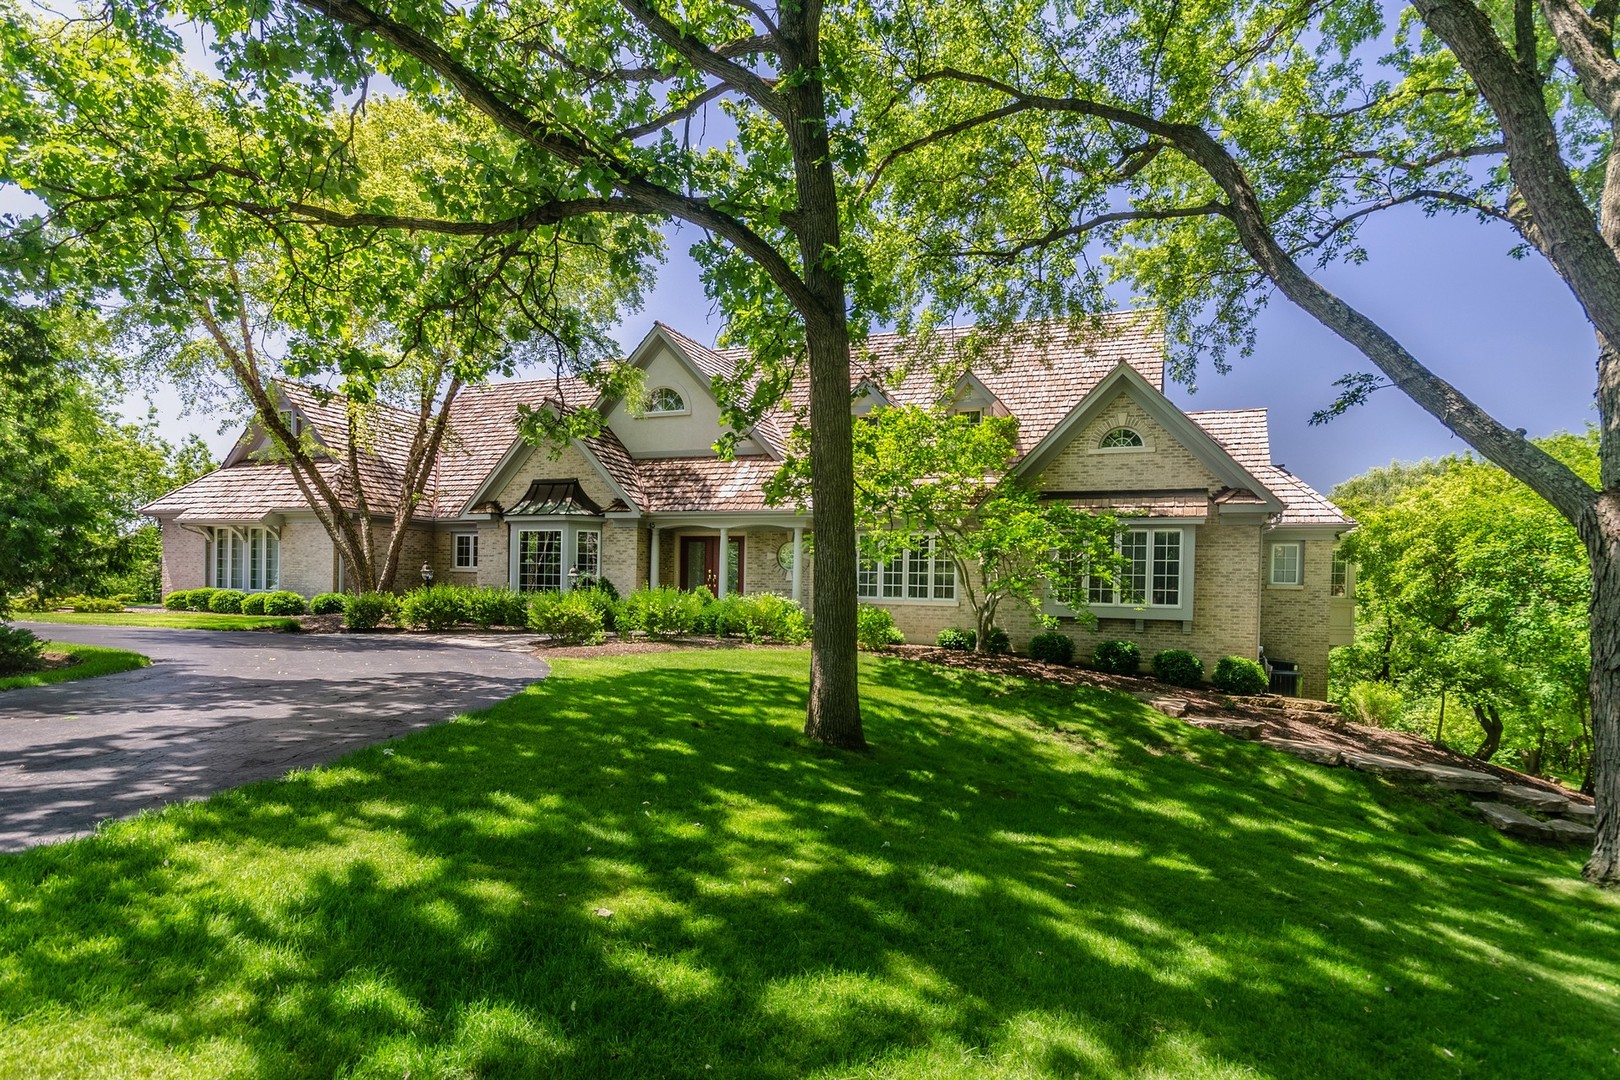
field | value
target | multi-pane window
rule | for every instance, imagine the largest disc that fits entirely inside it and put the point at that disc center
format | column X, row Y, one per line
column 1121, row 438
column 588, row 553
column 466, row 551
column 1339, row 577
column 1151, row 574
column 540, row 560
column 923, row 572
column 1286, row 560
column 246, row 559
column 666, row 400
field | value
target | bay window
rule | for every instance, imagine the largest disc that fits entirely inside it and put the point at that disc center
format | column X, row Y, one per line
column 549, row 557
column 248, row 559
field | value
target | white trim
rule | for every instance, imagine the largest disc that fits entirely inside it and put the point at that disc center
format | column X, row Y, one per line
column 684, row 410
column 455, row 550
column 1186, row 588
column 1298, row 581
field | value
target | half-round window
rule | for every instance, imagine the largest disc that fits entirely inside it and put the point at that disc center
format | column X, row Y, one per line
column 666, row 400
column 1120, row 438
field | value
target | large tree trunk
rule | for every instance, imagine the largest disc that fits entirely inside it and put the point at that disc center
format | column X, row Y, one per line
column 834, row 712
column 1490, row 722
column 1602, row 536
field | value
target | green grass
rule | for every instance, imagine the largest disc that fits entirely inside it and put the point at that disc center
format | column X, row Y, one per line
column 1018, row 880
column 92, row 660
column 174, row 620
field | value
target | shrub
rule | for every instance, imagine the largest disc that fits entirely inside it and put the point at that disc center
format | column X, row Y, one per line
column 1376, row 703
column 1117, row 657
column 20, row 650
column 665, row 612
column 93, row 604
column 606, row 599
column 365, row 611
column 1240, row 675
column 961, row 640
column 125, row 598
column 874, row 628
column 253, row 603
column 179, row 600
column 598, row 584
column 283, row 602
column 199, row 599
column 997, row 643
column 1052, row 647
column 327, row 603
column 760, row 617
column 490, row 606
column 571, row 618
column 434, row 607
column 1178, row 667
column 226, row 602
column 35, row 602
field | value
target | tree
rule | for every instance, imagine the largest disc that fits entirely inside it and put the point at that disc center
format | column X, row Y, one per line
column 923, row 474
column 1472, row 589
column 1223, row 155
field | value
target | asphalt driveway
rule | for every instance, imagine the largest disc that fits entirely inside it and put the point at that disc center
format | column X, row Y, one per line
column 217, row 709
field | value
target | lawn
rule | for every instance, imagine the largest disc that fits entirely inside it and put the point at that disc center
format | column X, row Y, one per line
column 91, row 660
column 174, row 620
column 639, row 868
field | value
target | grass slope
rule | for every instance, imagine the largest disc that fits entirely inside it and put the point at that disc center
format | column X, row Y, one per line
column 92, row 660
column 1018, row 881
column 174, row 620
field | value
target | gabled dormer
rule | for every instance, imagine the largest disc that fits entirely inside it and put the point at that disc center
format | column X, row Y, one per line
column 971, row 398
column 676, row 414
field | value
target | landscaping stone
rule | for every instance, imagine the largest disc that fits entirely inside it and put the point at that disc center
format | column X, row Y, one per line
column 1514, row 822
column 1318, row 753
column 1570, row 832
column 1381, row 765
column 1452, row 778
column 1170, row 706
column 1532, row 798
column 1238, row 729
column 1579, row 811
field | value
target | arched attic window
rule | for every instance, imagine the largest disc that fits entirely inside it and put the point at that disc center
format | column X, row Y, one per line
column 1121, row 438
column 665, row 400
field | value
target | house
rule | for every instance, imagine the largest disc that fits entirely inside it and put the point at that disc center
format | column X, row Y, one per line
column 1229, row 553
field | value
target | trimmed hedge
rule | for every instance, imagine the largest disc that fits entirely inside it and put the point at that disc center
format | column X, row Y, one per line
column 875, row 629
column 1240, row 675
column 960, row 640
column 327, row 603
column 179, row 600
column 571, row 618
column 283, row 602
column 1178, row 667
column 489, row 606
column 1052, row 647
column 434, row 607
column 253, row 603
column 93, row 604
column 200, row 599
column 226, row 601
column 1117, row 657
column 365, row 611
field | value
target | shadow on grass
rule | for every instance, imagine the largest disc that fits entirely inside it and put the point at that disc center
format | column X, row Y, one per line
column 639, row 868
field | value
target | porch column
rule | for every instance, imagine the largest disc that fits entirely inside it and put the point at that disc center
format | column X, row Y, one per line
column 725, row 556
column 652, row 566
column 798, row 564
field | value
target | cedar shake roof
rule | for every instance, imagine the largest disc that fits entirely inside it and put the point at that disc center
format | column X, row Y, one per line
column 1039, row 371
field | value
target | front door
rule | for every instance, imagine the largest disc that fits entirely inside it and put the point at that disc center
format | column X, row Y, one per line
column 700, row 563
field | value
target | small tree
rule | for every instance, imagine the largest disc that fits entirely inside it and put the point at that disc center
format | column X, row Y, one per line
column 922, row 474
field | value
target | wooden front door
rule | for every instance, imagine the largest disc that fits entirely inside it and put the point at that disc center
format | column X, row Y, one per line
column 700, row 563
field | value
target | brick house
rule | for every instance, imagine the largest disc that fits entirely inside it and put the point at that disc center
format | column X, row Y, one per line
column 1230, row 554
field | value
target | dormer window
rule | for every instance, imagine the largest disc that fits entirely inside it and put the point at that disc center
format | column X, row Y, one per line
column 665, row 400
column 292, row 421
column 972, row 416
column 1121, row 438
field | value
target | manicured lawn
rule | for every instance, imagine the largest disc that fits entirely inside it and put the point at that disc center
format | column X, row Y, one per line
column 93, row 660
column 174, row 620
column 1017, row 881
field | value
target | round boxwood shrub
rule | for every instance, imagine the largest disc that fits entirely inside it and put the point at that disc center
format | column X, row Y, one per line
column 434, row 607
column 200, row 599
column 1240, row 675
column 283, row 602
column 1178, row 667
column 179, row 600
column 20, row 650
column 1117, row 657
column 226, row 602
column 365, row 611
column 253, row 603
column 571, row 618
column 327, row 603
column 1052, row 646
column 875, row 629
column 960, row 640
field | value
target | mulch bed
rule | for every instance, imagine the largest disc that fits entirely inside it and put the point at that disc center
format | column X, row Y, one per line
column 54, row 661
column 1300, row 719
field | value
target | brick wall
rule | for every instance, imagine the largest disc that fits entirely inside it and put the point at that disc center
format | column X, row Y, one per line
column 1294, row 623
column 308, row 565
column 571, row 464
column 1162, row 464
column 622, row 554
column 185, row 558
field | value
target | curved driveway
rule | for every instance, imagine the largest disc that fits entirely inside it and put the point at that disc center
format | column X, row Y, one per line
column 218, row 708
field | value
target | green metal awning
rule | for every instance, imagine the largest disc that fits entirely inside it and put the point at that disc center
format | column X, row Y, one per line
column 552, row 498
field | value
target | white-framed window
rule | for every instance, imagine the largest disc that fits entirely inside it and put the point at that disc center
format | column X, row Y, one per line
column 1288, row 563
column 247, row 559
column 466, row 550
column 666, row 399
column 539, row 561
column 1339, row 576
column 1121, row 438
column 972, row 416
column 588, row 553
column 920, row 572
column 1153, row 572
column 292, row 421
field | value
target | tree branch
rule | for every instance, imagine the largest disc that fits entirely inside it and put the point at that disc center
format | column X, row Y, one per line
column 549, row 213
column 673, row 115
column 1068, row 232
column 705, row 59
column 1589, row 45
